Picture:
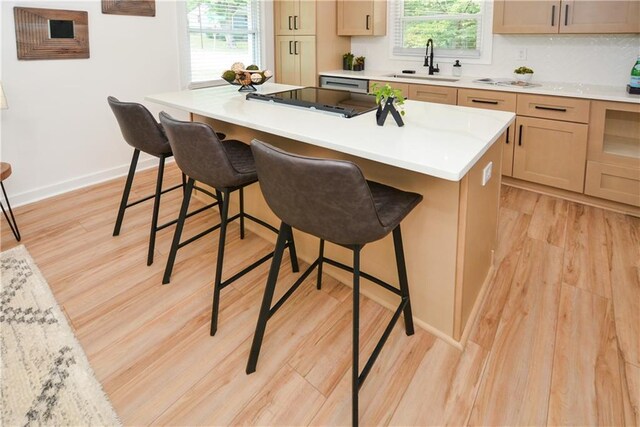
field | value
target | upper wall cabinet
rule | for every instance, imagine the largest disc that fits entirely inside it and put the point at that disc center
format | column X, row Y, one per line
column 362, row 17
column 566, row 16
column 295, row 17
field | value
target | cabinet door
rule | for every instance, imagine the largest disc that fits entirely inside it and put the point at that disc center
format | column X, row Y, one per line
column 305, row 53
column 287, row 66
column 614, row 133
column 551, row 152
column 304, row 21
column 526, row 17
column 600, row 16
column 507, row 151
column 284, row 12
column 437, row 94
column 355, row 17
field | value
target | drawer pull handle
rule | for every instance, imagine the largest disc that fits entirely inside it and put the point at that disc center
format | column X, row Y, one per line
column 520, row 136
column 367, row 21
column 330, row 82
column 482, row 101
column 507, row 140
column 540, row 107
column 566, row 15
column 553, row 16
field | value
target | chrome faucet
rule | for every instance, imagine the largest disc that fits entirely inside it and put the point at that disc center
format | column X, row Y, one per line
column 428, row 59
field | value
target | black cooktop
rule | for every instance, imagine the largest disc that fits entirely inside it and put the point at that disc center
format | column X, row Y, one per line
column 347, row 104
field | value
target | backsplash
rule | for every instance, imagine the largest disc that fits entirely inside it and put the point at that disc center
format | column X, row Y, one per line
column 591, row 59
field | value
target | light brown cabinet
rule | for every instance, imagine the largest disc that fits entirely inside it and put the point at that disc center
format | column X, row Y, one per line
column 494, row 100
column 613, row 167
column 566, row 16
column 302, row 47
column 296, row 59
column 295, row 17
column 437, row 94
column 362, row 17
column 550, row 152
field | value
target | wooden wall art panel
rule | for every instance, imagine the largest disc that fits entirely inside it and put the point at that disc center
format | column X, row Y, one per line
column 51, row 33
column 129, row 7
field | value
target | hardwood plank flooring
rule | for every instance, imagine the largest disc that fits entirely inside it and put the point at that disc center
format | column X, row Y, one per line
column 556, row 341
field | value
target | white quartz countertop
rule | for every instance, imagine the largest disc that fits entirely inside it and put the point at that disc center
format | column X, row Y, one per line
column 443, row 141
column 573, row 90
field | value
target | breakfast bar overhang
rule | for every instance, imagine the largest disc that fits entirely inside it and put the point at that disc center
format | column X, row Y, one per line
column 446, row 153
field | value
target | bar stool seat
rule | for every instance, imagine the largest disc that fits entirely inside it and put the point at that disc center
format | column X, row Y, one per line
column 227, row 166
column 331, row 199
column 5, row 172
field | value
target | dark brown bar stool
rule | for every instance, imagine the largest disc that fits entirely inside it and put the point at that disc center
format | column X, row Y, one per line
column 226, row 166
column 143, row 133
column 5, row 172
column 332, row 200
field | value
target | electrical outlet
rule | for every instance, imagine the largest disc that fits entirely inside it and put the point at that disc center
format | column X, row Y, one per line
column 522, row 54
column 486, row 173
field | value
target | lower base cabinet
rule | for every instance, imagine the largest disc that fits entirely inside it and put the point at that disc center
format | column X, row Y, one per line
column 550, row 152
column 611, row 182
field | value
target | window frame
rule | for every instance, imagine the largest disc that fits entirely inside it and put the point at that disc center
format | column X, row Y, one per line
column 265, row 54
column 442, row 55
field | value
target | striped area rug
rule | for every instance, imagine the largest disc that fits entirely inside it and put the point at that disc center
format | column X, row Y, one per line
column 45, row 376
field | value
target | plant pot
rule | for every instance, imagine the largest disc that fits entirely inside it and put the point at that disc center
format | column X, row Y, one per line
column 347, row 64
column 383, row 111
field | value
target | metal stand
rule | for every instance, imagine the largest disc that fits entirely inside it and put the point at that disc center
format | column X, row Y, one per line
column 12, row 222
column 266, row 311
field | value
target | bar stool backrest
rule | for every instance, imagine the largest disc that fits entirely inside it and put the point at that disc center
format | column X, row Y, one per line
column 327, row 198
column 199, row 153
column 139, row 128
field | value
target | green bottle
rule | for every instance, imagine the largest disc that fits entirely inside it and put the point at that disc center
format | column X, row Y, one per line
column 635, row 75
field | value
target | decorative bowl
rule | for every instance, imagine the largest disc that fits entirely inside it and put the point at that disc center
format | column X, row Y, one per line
column 247, row 79
column 523, row 78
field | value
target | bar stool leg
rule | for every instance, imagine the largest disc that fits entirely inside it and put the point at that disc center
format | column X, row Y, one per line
column 265, row 308
column 184, row 183
column 156, row 211
column 320, row 262
column 177, row 235
column 12, row 222
column 241, row 213
column 224, row 213
column 292, row 253
column 404, row 282
column 355, row 369
column 127, row 190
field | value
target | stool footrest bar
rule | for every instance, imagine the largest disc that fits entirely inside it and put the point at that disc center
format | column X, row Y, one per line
column 293, row 288
column 363, row 274
column 381, row 342
column 144, row 199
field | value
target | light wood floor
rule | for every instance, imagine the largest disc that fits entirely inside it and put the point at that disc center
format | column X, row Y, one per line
column 557, row 340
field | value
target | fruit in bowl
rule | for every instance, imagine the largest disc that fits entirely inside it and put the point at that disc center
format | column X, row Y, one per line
column 246, row 77
column 523, row 74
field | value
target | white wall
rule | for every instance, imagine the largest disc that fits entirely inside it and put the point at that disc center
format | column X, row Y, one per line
column 59, row 132
column 590, row 59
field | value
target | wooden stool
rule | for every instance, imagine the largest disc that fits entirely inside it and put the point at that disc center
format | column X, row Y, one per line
column 5, row 172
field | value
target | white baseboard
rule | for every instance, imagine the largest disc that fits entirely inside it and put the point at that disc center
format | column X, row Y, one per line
column 41, row 193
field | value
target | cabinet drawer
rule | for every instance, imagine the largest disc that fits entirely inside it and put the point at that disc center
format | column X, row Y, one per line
column 437, row 94
column 488, row 99
column 553, row 107
column 611, row 182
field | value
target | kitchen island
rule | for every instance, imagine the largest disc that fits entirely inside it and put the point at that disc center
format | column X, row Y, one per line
column 443, row 152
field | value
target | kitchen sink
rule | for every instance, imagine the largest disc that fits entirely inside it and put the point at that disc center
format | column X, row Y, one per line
column 423, row 77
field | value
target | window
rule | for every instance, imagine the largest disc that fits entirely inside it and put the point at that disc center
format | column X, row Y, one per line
column 220, row 33
column 458, row 28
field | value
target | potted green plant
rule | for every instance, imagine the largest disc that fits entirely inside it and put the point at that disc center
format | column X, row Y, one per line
column 358, row 63
column 347, row 61
column 389, row 100
column 523, row 74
